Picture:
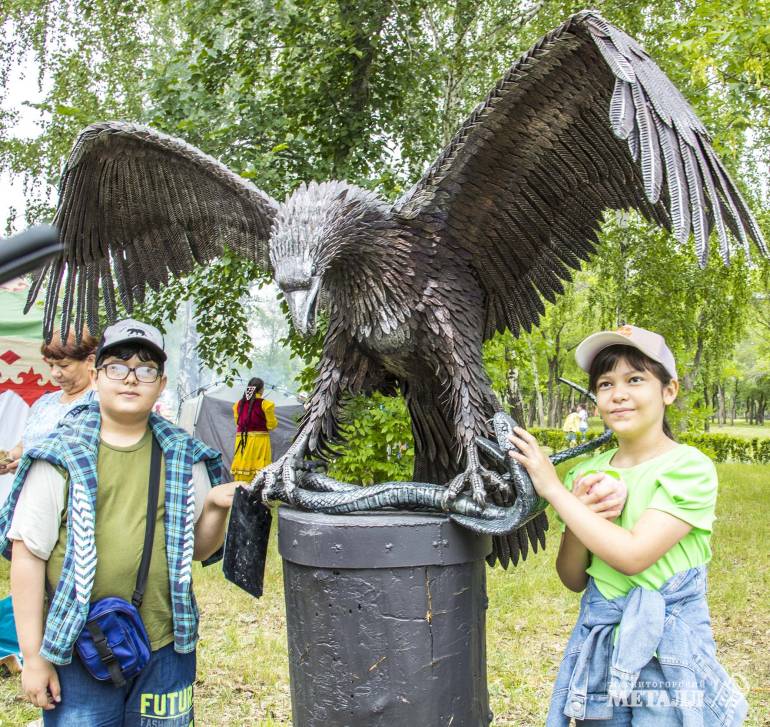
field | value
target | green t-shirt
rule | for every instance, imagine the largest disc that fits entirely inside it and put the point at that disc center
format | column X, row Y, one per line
column 681, row 482
column 121, row 511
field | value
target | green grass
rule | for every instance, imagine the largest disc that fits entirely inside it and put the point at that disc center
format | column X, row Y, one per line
column 741, row 429
column 243, row 668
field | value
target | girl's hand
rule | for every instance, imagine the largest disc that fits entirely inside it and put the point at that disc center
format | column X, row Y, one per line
column 222, row 495
column 537, row 464
column 40, row 682
column 601, row 494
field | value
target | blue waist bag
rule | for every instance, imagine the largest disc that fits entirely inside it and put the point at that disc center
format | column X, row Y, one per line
column 114, row 645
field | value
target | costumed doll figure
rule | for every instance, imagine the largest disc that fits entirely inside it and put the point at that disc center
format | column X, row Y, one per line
column 254, row 419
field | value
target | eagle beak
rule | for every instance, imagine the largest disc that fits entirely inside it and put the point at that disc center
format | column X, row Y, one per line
column 302, row 307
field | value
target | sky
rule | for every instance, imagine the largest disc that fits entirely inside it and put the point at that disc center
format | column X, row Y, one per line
column 22, row 87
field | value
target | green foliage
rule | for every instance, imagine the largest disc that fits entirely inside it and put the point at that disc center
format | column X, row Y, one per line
column 719, row 447
column 379, row 442
column 223, row 317
column 725, row 448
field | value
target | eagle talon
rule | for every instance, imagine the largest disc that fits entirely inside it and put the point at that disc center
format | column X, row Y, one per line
column 271, row 482
column 480, row 481
column 279, row 479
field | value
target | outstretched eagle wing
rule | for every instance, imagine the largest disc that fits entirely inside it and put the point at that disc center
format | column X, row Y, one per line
column 582, row 122
column 138, row 204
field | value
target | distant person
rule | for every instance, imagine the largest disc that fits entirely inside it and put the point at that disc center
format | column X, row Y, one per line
column 583, row 414
column 572, row 426
column 70, row 363
column 254, row 419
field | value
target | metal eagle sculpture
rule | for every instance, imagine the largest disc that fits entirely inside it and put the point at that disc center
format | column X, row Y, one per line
column 583, row 122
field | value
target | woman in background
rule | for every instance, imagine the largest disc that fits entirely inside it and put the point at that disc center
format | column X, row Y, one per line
column 254, row 418
column 70, row 362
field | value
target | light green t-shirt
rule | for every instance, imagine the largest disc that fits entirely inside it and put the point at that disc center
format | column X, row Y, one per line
column 121, row 509
column 681, row 482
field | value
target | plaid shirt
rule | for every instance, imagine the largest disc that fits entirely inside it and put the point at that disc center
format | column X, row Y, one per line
column 74, row 446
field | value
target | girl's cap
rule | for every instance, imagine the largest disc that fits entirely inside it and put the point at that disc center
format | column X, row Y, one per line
column 650, row 344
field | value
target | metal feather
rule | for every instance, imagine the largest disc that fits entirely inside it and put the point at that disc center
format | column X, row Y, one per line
column 80, row 303
column 66, row 310
column 716, row 209
column 108, row 290
column 622, row 110
column 652, row 168
column 701, row 226
column 34, row 289
column 675, row 180
column 619, row 65
column 92, row 298
column 633, row 143
column 51, row 298
column 723, row 191
column 748, row 219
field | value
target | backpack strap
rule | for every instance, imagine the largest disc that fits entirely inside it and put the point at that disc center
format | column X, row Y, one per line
column 149, row 528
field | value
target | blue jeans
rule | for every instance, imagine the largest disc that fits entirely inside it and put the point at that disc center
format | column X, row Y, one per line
column 161, row 695
column 662, row 670
column 650, row 710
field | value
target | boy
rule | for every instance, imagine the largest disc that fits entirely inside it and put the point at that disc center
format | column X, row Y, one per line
column 76, row 519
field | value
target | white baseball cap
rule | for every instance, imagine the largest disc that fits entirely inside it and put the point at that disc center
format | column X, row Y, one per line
column 130, row 330
column 652, row 345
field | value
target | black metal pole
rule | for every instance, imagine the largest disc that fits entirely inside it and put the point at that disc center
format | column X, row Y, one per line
column 386, row 618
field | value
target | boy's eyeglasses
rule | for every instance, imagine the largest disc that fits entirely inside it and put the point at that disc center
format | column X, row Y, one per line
column 120, row 372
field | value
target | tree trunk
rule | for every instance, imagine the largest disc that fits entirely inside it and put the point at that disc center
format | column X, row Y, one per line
column 554, row 400
column 721, row 406
column 734, row 405
column 688, row 382
column 554, row 393
column 532, row 412
column 513, row 397
column 537, row 395
column 365, row 25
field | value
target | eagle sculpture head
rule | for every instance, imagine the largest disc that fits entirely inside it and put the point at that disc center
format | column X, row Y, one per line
column 319, row 230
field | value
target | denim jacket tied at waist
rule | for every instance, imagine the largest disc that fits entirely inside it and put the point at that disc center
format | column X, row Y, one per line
column 671, row 624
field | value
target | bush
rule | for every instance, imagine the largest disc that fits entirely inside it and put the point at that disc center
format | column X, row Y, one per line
column 719, row 447
column 726, row 448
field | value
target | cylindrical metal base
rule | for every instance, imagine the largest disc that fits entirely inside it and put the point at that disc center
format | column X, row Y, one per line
column 386, row 620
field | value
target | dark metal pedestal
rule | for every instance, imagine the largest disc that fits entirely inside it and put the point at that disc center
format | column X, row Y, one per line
column 386, row 620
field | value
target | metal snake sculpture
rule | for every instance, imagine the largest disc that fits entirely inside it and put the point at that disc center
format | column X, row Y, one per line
column 319, row 493
column 583, row 122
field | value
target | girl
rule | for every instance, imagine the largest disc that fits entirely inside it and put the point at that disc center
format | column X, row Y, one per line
column 642, row 651
column 254, row 418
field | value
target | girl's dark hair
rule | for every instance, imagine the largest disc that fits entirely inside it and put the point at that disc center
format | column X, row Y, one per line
column 244, row 410
column 257, row 383
column 58, row 349
column 608, row 358
column 126, row 350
